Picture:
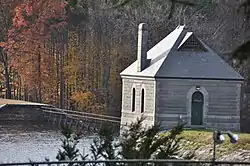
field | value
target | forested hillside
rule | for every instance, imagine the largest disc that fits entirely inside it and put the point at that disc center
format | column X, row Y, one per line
column 69, row 53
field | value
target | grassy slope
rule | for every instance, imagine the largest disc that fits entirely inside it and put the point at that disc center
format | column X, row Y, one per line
column 198, row 138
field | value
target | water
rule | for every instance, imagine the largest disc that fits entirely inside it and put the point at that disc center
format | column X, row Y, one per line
column 25, row 142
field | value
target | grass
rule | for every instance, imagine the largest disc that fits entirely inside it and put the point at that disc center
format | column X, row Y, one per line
column 195, row 139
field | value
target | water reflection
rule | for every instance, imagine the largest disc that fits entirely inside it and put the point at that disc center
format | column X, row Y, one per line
column 23, row 142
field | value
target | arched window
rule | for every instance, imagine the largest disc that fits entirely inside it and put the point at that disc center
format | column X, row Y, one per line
column 133, row 100
column 142, row 100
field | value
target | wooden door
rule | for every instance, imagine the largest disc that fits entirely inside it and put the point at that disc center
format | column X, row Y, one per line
column 197, row 108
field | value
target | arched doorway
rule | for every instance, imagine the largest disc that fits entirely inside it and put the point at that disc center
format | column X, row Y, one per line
column 197, row 108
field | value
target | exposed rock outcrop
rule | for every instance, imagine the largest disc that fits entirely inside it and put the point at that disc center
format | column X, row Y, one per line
column 199, row 152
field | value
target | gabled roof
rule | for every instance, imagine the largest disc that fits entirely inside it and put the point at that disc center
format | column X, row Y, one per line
column 182, row 55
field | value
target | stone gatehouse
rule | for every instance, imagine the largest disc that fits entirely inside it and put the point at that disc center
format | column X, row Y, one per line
column 181, row 78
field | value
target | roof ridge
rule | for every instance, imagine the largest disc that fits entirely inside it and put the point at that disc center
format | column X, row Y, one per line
column 174, row 47
column 165, row 44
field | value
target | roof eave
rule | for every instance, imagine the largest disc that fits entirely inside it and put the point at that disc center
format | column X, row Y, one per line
column 200, row 78
column 186, row 78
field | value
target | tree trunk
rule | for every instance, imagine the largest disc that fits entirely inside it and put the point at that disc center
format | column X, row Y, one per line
column 26, row 98
column 7, row 76
column 57, row 76
column 39, row 79
column 61, row 82
column 14, row 92
column 20, row 90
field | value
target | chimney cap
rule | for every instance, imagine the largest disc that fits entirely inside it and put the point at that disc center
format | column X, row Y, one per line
column 143, row 26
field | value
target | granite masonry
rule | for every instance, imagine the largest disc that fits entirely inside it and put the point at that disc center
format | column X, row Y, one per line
column 181, row 79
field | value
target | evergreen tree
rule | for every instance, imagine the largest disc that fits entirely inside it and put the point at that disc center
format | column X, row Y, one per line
column 147, row 143
column 69, row 143
column 137, row 142
column 104, row 145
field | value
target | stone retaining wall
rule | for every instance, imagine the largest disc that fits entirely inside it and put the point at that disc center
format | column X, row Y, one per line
column 20, row 113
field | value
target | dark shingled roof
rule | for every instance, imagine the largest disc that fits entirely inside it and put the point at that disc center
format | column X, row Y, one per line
column 182, row 55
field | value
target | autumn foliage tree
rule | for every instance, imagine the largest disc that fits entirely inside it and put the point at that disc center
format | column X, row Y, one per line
column 32, row 25
column 87, row 101
column 5, row 24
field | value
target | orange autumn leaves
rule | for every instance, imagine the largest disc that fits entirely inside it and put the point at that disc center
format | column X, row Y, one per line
column 87, row 101
column 33, row 22
column 38, row 51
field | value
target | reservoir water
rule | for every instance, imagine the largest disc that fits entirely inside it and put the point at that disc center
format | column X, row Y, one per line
column 21, row 142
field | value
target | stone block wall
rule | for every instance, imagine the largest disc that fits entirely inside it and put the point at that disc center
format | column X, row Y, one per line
column 20, row 113
column 221, row 106
column 127, row 116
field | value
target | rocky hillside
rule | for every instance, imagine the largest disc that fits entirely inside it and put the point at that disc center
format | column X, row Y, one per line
column 198, row 145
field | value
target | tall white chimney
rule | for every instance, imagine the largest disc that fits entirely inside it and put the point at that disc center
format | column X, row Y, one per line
column 142, row 47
